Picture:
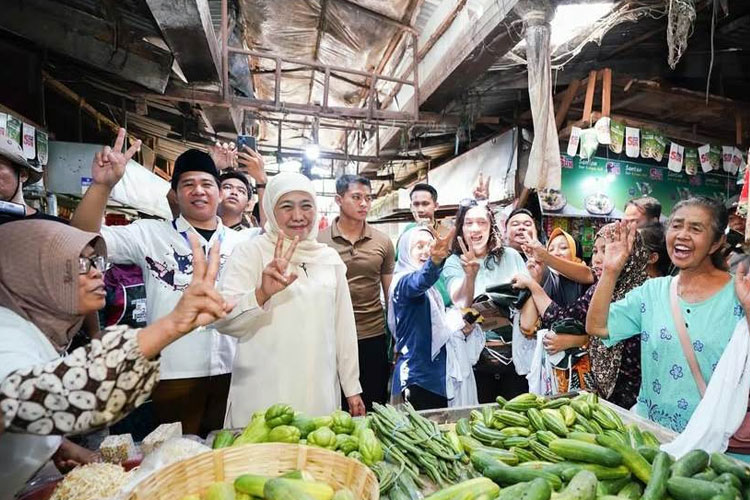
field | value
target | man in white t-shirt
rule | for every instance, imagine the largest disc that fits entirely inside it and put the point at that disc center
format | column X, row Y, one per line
column 195, row 370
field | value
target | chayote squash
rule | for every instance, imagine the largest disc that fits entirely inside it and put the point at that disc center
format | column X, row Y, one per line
column 304, row 423
column 341, row 422
column 356, row 455
column 284, row 434
column 370, row 447
column 324, row 421
column 361, row 423
column 255, row 432
column 219, row 491
column 346, row 443
column 279, row 414
column 323, row 438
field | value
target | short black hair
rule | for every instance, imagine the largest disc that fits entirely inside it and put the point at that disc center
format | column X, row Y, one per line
column 424, row 187
column 648, row 205
column 236, row 174
column 655, row 242
column 346, row 180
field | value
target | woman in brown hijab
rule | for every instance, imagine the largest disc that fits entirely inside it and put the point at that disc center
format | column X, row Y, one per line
column 51, row 276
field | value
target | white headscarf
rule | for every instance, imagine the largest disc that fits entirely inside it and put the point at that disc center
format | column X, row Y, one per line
column 308, row 250
column 405, row 265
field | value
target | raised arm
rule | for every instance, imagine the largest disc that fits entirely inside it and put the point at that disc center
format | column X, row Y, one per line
column 252, row 162
column 575, row 271
column 619, row 245
column 107, row 169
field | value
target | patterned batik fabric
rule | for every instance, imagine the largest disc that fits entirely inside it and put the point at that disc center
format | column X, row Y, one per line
column 91, row 387
column 668, row 393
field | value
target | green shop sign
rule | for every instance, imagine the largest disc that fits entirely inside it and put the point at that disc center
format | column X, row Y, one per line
column 600, row 187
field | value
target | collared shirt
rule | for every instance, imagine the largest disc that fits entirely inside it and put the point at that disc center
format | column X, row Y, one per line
column 162, row 250
column 367, row 260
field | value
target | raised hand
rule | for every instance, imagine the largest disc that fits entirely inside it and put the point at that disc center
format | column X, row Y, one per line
column 252, row 163
column 200, row 303
column 482, row 188
column 522, row 281
column 742, row 286
column 356, row 405
column 442, row 247
column 277, row 275
column 620, row 241
column 108, row 166
column 224, row 155
column 469, row 260
column 534, row 249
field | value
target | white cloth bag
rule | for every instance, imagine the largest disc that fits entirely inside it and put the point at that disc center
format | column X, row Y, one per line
column 541, row 377
column 723, row 407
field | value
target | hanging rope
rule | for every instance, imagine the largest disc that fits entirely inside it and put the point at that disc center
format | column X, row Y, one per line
column 680, row 21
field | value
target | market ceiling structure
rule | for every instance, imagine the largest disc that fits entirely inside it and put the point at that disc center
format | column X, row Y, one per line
column 345, row 72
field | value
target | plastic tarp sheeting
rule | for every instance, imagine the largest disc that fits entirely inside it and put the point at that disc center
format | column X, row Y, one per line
column 544, row 159
column 69, row 172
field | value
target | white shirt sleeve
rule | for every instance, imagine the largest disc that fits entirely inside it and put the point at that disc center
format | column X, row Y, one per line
column 347, row 351
column 125, row 243
column 238, row 282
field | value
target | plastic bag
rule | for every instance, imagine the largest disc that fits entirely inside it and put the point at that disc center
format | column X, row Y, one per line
column 691, row 161
column 589, row 143
column 542, row 378
column 173, row 450
column 523, row 347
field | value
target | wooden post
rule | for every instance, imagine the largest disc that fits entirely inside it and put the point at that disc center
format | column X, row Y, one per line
column 567, row 100
column 606, row 91
column 588, row 105
column 738, row 127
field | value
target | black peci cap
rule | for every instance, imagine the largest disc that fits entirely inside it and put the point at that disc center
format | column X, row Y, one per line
column 193, row 160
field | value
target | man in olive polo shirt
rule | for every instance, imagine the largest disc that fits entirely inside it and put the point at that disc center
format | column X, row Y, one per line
column 370, row 258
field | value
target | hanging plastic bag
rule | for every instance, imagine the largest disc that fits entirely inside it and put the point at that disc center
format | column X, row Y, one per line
column 676, row 154
column 523, row 347
column 589, row 143
column 574, row 141
column 602, row 127
column 542, row 378
column 632, row 142
column 727, row 153
column 691, row 161
column 705, row 157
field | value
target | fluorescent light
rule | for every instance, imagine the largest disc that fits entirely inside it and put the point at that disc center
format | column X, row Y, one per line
column 312, row 152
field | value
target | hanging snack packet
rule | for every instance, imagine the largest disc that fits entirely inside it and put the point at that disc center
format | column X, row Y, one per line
column 660, row 145
column 632, row 142
column 617, row 136
column 648, row 143
column 676, row 154
column 714, row 155
column 575, row 139
column 691, row 161
column 704, row 156
column 14, row 129
column 589, row 144
column 727, row 153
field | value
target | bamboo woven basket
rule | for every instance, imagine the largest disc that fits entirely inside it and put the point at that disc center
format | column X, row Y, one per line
column 270, row 459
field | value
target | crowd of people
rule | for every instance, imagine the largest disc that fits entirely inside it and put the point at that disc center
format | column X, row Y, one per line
column 243, row 311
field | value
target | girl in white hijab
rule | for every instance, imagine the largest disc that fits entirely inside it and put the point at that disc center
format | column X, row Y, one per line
column 294, row 316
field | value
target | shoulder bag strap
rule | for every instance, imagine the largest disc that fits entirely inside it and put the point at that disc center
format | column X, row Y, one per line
column 687, row 347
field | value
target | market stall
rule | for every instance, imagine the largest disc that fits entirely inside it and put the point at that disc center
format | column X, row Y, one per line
column 574, row 445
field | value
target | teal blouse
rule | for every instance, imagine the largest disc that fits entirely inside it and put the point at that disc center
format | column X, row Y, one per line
column 668, row 394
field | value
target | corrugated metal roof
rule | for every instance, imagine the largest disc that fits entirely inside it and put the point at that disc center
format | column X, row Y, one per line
column 134, row 14
column 425, row 13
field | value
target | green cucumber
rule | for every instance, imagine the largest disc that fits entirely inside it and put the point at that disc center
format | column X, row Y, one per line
column 612, row 486
column 721, row 463
column 481, row 459
column 602, row 473
column 631, row 458
column 581, row 451
column 581, row 487
column 707, row 475
column 538, row 489
column 648, row 453
column 690, row 464
column 730, row 479
column 687, row 488
column 657, row 487
column 513, row 492
column 586, row 437
column 631, row 491
column 504, row 475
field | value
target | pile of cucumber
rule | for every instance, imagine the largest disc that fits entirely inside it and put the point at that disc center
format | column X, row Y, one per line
column 533, row 448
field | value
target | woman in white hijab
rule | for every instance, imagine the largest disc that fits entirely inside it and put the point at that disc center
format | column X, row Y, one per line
column 294, row 316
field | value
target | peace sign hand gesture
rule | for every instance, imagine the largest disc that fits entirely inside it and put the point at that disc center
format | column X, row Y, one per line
column 442, row 247
column 276, row 275
column 108, row 166
column 200, row 303
column 469, row 260
column 482, row 188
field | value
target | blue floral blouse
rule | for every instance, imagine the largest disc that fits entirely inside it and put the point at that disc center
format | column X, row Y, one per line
column 668, row 394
